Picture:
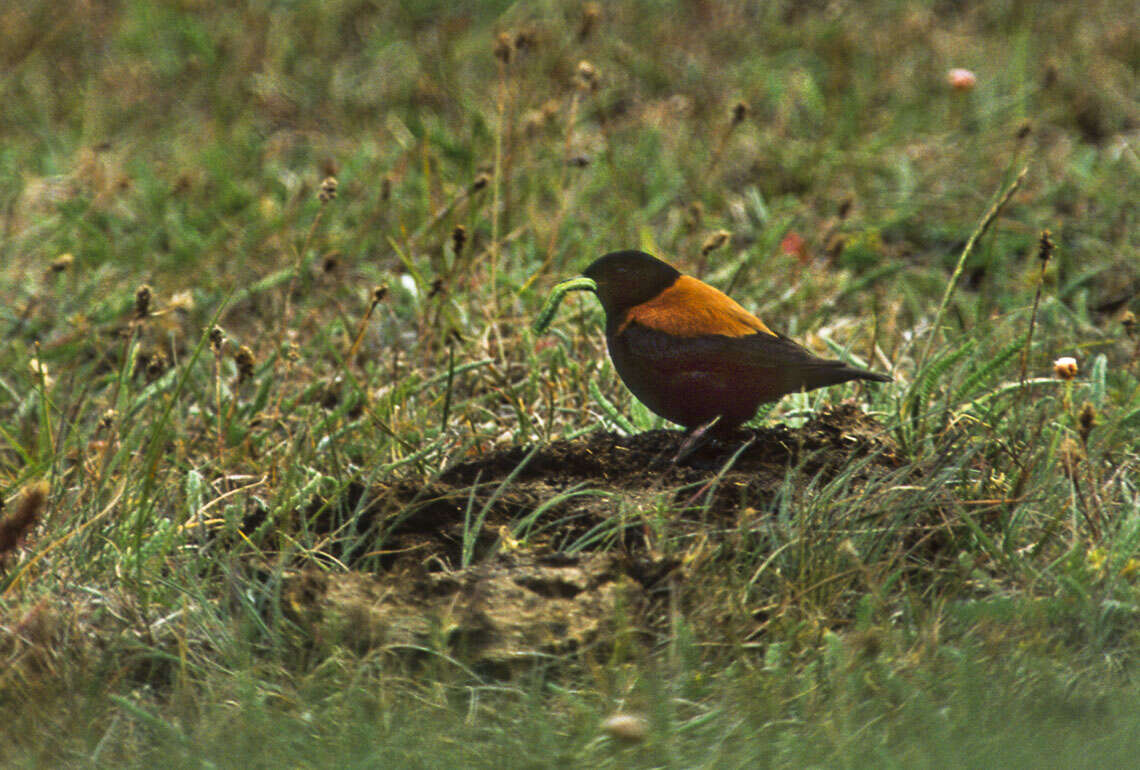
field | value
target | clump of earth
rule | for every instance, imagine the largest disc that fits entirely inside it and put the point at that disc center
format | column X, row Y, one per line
column 532, row 552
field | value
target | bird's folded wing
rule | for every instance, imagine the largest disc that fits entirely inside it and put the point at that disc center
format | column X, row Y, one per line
column 666, row 352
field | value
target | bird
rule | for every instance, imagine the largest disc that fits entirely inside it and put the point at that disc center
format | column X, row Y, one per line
column 691, row 353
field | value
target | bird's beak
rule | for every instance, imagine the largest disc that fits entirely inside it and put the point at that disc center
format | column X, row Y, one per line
column 581, row 283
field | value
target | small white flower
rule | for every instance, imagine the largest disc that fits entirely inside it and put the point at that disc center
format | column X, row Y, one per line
column 627, row 727
column 1065, row 367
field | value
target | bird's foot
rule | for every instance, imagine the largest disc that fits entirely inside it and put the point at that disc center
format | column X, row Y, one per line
column 700, row 436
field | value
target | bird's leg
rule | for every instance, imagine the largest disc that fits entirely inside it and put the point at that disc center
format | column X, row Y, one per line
column 708, row 484
column 695, row 440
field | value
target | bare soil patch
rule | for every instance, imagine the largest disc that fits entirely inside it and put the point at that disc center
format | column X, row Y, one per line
column 560, row 552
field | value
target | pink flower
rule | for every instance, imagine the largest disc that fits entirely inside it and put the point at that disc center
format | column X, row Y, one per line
column 794, row 245
column 961, row 79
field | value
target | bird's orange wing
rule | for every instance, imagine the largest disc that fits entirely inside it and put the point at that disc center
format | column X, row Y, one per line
column 692, row 308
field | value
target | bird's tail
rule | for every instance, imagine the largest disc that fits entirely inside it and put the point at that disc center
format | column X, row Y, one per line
column 835, row 372
column 866, row 374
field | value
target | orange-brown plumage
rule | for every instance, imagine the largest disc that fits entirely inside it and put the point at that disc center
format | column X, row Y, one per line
column 690, row 353
column 691, row 308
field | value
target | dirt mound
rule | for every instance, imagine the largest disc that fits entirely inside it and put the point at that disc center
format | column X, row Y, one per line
column 534, row 552
column 570, row 495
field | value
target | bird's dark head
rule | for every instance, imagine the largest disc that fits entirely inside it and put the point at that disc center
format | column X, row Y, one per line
column 628, row 278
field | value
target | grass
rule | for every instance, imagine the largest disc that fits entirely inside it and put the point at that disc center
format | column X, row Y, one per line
column 976, row 605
